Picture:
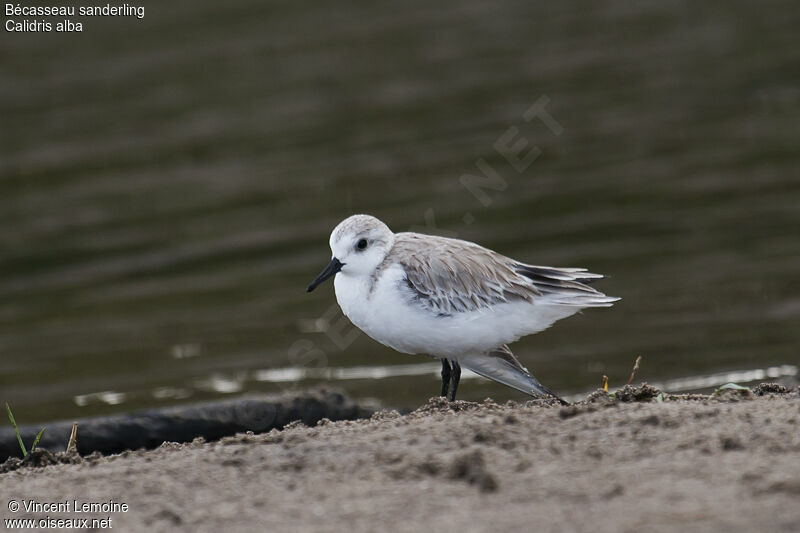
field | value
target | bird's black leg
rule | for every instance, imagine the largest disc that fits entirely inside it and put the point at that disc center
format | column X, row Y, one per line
column 445, row 377
column 454, row 379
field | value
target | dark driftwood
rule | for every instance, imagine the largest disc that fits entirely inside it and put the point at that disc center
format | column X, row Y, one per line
column 212, row 420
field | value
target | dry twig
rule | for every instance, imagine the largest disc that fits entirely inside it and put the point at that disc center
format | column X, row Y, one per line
column 635, row 368
column 72, row 445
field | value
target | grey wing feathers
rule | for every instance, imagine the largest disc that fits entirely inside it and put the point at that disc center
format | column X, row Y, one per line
column 451, row 276
column 500, row 365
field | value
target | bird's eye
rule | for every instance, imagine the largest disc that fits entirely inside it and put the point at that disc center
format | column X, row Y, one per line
column 362, row 244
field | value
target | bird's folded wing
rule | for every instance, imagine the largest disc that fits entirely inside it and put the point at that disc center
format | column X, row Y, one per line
column 449, row 276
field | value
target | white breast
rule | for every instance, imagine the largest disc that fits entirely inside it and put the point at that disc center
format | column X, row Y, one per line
column 378, row 310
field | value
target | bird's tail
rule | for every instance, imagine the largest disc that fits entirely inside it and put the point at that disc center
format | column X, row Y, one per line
column 500, row 365
column 566, row 286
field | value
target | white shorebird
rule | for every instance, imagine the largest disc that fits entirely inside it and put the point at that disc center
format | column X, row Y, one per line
column 450, row 299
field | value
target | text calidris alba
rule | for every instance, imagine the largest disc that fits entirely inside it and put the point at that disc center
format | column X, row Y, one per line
column 450, row 299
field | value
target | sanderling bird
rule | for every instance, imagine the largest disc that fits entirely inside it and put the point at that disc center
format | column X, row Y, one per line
column 450, row 299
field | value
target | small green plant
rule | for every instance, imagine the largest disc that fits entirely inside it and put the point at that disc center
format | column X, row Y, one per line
column 19, row 437
column 732, row 386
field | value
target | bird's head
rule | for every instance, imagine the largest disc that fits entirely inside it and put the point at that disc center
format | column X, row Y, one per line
column 359, row 244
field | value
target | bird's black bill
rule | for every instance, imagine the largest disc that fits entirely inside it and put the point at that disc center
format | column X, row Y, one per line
column 333, row 267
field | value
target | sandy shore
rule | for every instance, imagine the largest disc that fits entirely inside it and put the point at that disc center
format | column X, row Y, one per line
column 693, row 463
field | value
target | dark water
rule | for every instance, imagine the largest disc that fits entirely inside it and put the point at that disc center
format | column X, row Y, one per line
column 167, row 187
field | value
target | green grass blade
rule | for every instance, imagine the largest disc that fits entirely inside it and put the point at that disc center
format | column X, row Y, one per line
column 36, row 440
column 16, row 430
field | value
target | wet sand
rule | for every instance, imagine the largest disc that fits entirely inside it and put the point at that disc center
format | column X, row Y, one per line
column 694, row 462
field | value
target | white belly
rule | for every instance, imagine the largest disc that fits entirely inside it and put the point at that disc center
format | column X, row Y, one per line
column 387, row 314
